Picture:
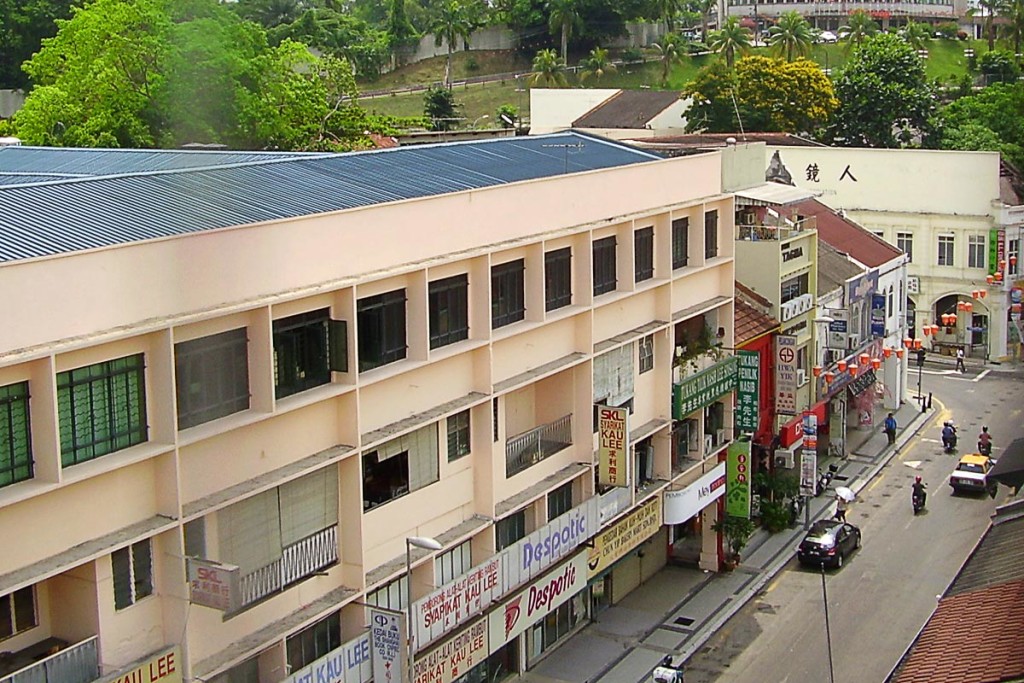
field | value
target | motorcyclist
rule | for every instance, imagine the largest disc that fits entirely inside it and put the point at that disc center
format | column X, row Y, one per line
column 985, row 442
column 919, row 489
column 948, row 436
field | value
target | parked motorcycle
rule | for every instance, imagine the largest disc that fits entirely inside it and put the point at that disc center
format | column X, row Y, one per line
column 796, row 508
column 825, row 478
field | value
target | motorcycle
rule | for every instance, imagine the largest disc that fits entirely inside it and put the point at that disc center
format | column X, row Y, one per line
column 917, row 498
column 796, row 508
column 825, row 478
column 985, row 448
column 949, row 440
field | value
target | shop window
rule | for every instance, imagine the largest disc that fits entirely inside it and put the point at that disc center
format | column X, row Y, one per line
column 212, row 377
column 313, row 642
column 510, row 529
column 449, row 310
column 452, row 564
column 905, row 243
column 604, row 265
column 400, row 466
column 101, row 408
column 458, row 435
column 557, row 278
column 794, row 287
column 17, row 612
column 976, row 249
column 560, row 501
column 195, row 538
column 133, row 573
column 643, row 254
column 680, row 242
column 246, row 672
column 508, row 293
column 382, row 334
column 393, row 595
column 946, row 247
column 15, row 434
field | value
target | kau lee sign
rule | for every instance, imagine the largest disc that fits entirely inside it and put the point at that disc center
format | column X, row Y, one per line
column 349, row 663
column 458, row 601
column 613, row 446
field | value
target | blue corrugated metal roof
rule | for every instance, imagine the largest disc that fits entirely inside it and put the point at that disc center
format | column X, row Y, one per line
column 61, row 162
column 73, row 215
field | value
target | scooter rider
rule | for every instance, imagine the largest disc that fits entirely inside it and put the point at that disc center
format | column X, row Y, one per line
column 919, row 490
column 985, row 442
column 948, row 436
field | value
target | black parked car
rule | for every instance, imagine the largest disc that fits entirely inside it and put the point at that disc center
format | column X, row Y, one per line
column 828, row 542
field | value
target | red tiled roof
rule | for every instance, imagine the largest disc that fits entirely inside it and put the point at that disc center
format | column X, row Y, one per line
column 628, row 109
column 988, row 622
column 847, row 236
column 748, row 293
column 750, row 323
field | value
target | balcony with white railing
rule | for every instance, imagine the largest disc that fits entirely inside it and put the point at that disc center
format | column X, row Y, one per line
column 78, row 663
column 298, row 561
column 772, row 229
column 529, row 448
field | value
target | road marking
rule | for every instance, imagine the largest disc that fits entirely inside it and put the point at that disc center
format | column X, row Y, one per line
column 775, row 582
column 916, row 464
column 981, row 375
column 876, row 482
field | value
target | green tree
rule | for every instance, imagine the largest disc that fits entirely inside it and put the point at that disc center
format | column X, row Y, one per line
column 999, row 66
column 784, row 96
column 860, row 27
column 563, row 18
column 452, row 20
column 666, row 10
column 996, row 109
column 791, row 35
column 400, row 30
column 23, row 26
column 989, row 10
column 711, row 93
column 596, row 65
column 704, row 8
column 885, row 99
column 548, row 69
column 441, row 110
column 730, row 40
column 1013, row 29
column 916, row 34
column 670, row 50
column 270, row 13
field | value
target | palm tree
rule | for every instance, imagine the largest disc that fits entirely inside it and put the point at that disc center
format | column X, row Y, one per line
column 791, row 35
column 860, row 27
column 666, row 10
column 730, row 40
column 916, row 34
column 548, row 69
column 564, row 17
column 1014, row 30
column 452, row 20
column 670, row 51
column 704, row 8
column 989, row 9
column 596, row 65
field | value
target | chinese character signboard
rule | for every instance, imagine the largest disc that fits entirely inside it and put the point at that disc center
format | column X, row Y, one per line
column 387, row 638
column 681, row 505
column 213, row 584
column 877, row 315
column 737, row 487
column 996, row 249
column 785, row 374
column 454, row 658
column 704, row 388
column 615, row 542
column 748, row 391
column 458, row 601
column 613, row 446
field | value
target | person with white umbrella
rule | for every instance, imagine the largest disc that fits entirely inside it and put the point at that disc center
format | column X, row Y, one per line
column 844, row 496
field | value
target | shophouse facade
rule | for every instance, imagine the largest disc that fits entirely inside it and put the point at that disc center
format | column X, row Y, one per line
column 228, row 411
column 953, row 217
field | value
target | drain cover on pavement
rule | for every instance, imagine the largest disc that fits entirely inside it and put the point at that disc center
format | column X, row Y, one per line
column 684, row 621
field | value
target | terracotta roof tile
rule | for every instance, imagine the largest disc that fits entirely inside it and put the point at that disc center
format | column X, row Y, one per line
column 990, row 619
column 628, row 109
column 750, row 323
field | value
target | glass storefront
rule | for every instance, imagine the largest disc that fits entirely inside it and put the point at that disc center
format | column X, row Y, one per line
column 556, row 626
column 499, row 666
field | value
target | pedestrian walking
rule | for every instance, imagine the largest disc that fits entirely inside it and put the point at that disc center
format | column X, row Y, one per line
column 889, row 426
column 960, row 360
column 841, row 505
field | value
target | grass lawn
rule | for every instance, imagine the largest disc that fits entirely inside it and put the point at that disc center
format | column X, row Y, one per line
column 945, row 62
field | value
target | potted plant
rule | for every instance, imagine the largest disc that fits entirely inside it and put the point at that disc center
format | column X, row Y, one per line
column 737, row 531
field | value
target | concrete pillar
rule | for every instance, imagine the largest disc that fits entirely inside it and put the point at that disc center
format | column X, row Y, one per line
column 997, row 329
column 709, row 538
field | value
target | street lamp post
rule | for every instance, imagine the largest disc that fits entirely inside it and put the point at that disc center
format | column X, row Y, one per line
column 426, row 543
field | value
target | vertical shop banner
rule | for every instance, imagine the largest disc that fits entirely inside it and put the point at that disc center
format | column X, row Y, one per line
column 748, row 391
column 388, row 642
column 996, row 249
column 613, row 446
column 810, row 428
column 785, row 374
column 737, row 486
column 878, row 315
column 808, row 471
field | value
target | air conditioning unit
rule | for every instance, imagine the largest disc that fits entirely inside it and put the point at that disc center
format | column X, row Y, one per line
column 748, row 218
column 709, row 443
column 785, row 458
column 801, row 377
column 854, row 341
column 720, row 437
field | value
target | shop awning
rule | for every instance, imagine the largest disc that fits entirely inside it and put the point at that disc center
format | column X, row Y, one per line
column 772, row 194
column 1009, row 468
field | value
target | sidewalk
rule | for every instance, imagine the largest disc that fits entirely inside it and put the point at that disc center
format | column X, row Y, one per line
column 679, row 609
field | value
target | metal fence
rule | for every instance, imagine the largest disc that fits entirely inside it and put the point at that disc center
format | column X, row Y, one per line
column 297, row 561
column 79, row 663
column 531, row 447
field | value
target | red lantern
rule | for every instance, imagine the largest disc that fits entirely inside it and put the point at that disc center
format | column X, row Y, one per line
column 828, row 377
column 968, row 307
column 876, row 363
column 1013, row 260
column 887, row 351
column 1002, row 264
column 917, row 343
column 853, row 369
column 1015, row 308
column 990, row 279
column 983, row 293
column 899, row 353
column 998, row 276
column 816, row 371
column 907, row 341
column 841, row 365
column 864, row 358
column 935, row 328
column 927, row 330
column 960, row 305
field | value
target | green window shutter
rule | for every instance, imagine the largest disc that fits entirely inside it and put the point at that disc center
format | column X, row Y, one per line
column 338, row 340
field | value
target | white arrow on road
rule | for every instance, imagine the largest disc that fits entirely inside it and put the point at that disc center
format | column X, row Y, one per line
column 915, row 464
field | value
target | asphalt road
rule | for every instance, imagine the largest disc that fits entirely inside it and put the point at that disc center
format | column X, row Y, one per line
column 883, row 596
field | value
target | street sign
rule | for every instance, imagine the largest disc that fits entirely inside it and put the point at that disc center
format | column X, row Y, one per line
column 388, row 640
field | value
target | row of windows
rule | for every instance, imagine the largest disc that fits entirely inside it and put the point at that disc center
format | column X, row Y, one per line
column 977, row 248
